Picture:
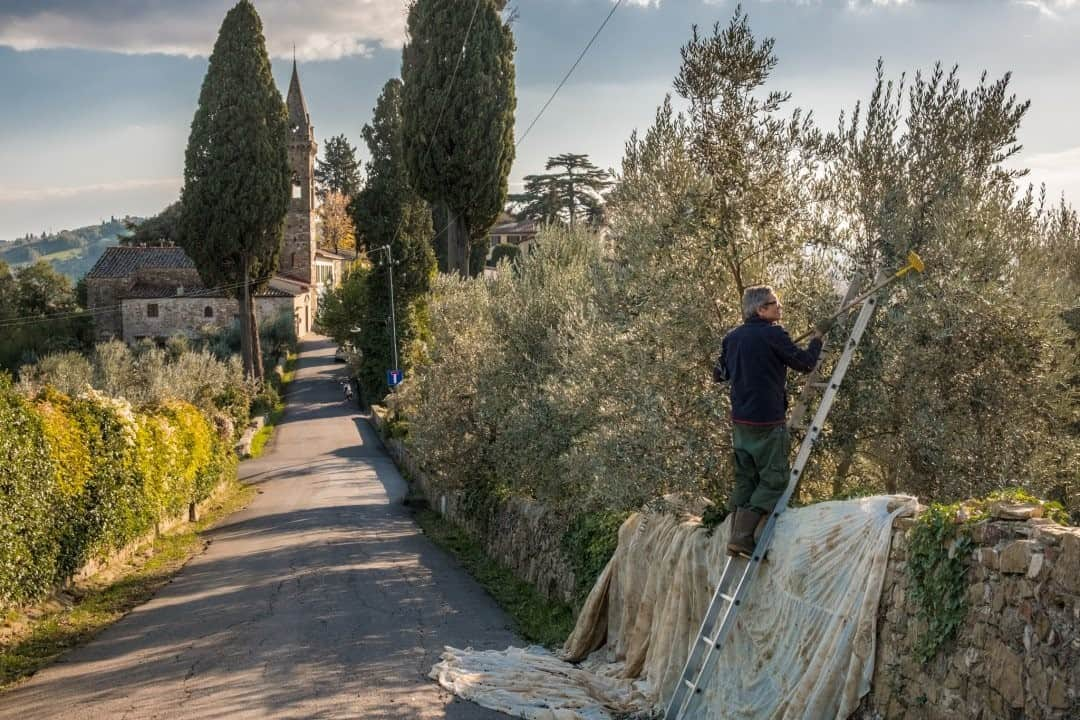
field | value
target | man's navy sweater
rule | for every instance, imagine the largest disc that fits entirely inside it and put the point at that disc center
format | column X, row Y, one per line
column 754, row 358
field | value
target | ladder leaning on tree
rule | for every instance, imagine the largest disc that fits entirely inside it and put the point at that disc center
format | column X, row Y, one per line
column 739, row 571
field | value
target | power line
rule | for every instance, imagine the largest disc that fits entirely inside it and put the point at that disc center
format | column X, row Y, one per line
column 570, row 71
column 562, row 82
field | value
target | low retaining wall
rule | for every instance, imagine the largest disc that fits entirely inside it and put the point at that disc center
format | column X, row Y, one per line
column 518, row 533
column 1017, row 655
column 164, row 526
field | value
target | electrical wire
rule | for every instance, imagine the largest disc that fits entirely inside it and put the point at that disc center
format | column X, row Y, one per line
column 570, row 71
column 562, row 82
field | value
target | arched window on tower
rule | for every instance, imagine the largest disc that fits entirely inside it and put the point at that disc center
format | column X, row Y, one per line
column 292, row 260
column 297, row 188
column 208, row 312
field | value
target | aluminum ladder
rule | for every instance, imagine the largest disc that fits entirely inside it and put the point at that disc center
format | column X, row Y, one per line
column 739, row 571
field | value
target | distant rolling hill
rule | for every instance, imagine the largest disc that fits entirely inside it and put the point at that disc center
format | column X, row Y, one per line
column 71, row 252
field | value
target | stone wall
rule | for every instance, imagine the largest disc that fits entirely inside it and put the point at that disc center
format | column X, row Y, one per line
column 519, row 533
column 103, row 297
column 188, row 314
column 1017, row 655
column 267, row 310
column 175, row 315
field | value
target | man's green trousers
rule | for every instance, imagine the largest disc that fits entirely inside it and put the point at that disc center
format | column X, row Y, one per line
column 761, row 466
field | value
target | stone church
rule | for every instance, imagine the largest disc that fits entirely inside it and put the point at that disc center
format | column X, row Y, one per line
column 156, row 292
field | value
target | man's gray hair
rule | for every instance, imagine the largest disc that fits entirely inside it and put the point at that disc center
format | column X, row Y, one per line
column 753, row 298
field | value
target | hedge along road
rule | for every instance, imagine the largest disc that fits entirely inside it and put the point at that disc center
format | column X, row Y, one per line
column 321, row 599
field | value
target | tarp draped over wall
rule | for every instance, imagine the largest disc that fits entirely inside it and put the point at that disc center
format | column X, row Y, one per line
column 802, row 646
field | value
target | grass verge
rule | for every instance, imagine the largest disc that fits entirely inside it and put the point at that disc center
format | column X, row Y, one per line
column 35, row 638
column 273, row 418
column 536, row 618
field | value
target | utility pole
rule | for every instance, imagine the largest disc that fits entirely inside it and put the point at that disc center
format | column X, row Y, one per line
column 393, row 318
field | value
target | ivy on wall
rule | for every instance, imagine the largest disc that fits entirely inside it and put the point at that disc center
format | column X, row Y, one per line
column 939, row 552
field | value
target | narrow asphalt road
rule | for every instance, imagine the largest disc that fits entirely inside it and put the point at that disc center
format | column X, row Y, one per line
column 320, row 600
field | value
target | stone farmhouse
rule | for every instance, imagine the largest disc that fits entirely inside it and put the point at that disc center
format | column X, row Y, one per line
column 507, row 230
column 156, row 292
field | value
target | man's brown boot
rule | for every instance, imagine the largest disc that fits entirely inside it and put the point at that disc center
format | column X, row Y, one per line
column 742, row 532
column 760, row 528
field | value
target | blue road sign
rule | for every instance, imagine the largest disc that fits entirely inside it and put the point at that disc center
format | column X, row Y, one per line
column 393, row 378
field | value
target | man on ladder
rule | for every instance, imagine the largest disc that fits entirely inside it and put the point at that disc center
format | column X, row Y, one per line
column 754, row 359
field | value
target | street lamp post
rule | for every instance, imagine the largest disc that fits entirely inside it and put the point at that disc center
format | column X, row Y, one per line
column 393, row 318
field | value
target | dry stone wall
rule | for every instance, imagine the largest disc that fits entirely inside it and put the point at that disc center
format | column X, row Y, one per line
column 1017, row 654
column 519, row 532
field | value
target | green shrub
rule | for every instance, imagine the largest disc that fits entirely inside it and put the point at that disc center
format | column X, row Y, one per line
column 277, row 338
column 28, row 538
column 146, row 375
column 589, row 543
column 937, row 570
column 84, row 476
column 265, row 401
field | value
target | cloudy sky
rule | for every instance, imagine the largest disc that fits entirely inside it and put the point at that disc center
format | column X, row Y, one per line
column 98, row 95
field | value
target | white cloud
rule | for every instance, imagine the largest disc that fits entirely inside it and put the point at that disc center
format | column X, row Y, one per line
column 320, row 31
column 1049, row 8
column 1059, row 171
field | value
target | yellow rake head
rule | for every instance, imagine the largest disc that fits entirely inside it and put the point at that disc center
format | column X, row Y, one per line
column 914, row 262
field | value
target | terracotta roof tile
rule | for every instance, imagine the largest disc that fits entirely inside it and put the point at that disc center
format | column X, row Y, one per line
column 120, row 262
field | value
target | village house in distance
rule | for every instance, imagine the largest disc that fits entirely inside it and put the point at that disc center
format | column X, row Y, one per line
column 156, row 292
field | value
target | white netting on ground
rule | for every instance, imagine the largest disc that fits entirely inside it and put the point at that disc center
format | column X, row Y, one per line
column 802, row 646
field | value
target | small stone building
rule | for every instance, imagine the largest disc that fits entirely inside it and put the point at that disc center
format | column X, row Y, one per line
column 519, row 233
column 156, row 292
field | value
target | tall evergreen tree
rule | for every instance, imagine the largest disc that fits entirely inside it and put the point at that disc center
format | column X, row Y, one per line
column 575, row 191
column 388, row 212
column 338, row 170
column 459, row 138
column 236, row 173
column 578, row 182
column 539, row 200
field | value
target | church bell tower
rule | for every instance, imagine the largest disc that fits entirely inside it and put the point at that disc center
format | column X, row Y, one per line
column 298, row 251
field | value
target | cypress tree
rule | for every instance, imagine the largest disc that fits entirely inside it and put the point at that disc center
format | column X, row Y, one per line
column 459, row 139
column 386, row 204
column 236, row 172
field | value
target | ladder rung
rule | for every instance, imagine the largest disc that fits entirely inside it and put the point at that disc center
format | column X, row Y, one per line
column 730, row 598
column 690, row 685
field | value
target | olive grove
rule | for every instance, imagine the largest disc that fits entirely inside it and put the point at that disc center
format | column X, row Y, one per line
column 582, row 378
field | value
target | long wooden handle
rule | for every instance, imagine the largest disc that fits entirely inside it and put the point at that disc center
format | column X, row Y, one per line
column 914, row 263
